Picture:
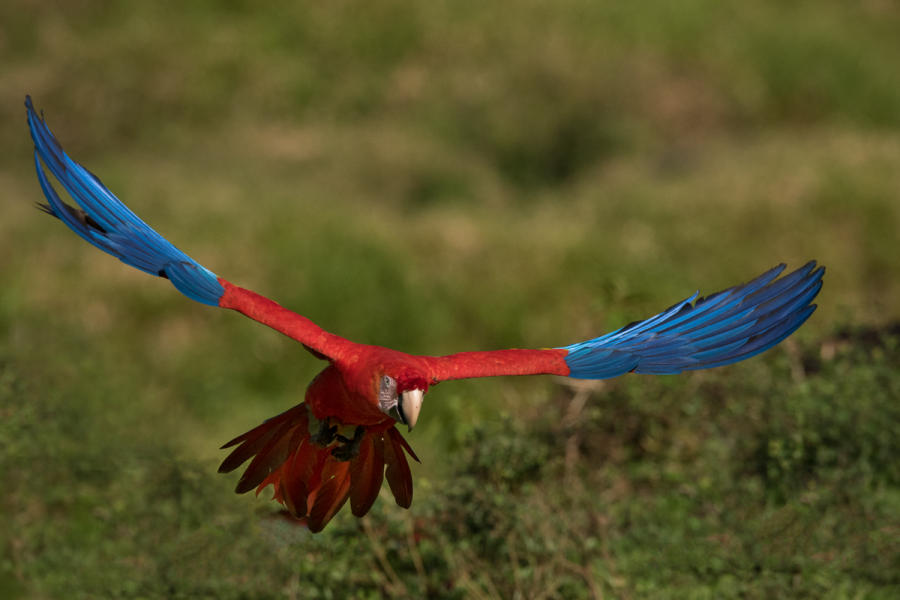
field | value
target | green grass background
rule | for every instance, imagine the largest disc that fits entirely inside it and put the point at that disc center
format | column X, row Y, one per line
column 444, row 176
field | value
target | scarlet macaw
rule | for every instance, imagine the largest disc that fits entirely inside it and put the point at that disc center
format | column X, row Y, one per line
column 342, row 440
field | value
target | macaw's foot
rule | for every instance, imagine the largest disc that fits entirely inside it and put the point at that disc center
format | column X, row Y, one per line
column 322, row 432
column 348, row 448
column 331, row 432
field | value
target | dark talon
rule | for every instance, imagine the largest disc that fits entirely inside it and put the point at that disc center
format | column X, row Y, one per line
column 325, row 435
column 349, row 448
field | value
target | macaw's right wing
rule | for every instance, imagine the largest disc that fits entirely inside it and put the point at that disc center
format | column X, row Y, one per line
column 103, row 220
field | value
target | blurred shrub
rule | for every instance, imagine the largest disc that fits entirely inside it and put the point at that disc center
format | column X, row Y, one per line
column 840, row 427
column 725, row 481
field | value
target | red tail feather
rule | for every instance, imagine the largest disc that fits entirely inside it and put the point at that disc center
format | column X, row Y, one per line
column 297, row 478
column 308, row 480
column 367, row 473
column 328, row 498
column 397, row 473
column 267, row 460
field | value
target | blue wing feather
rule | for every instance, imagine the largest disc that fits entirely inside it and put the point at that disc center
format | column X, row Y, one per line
column 717, row 330
column 104, row 221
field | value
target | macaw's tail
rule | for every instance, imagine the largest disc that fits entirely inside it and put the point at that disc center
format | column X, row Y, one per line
column 307, row 476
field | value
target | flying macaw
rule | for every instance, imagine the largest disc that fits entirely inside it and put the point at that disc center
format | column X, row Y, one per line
column 342, row 441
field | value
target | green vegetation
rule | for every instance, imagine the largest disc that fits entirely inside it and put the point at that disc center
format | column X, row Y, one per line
column 443, row 176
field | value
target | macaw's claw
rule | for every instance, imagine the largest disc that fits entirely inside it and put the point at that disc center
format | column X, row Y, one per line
column 331, row 432
column 324, row 434
column 348, row 448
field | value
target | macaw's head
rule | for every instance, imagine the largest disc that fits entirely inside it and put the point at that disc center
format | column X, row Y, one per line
column 400, row 395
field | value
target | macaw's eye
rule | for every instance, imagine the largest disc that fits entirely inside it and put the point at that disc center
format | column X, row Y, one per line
column 387, row 392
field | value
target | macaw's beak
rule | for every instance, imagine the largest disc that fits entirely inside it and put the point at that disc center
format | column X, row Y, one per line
column 409, row 406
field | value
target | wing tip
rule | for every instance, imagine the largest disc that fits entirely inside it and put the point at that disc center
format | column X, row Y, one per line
column 104, row 221
column 596, row 358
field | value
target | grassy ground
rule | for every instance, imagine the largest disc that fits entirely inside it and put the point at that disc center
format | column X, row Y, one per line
column 445, row 176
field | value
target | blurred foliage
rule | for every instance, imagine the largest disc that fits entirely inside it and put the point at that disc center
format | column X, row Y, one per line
column 793, row 495
column 441, row 176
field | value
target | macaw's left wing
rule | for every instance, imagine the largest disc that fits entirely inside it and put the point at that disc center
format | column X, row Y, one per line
column 717, row 330
column 104, row 221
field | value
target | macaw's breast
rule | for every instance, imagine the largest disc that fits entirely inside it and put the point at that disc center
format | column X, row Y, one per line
column 329, row 396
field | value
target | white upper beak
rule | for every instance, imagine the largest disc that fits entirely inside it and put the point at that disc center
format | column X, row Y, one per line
column 410, row 405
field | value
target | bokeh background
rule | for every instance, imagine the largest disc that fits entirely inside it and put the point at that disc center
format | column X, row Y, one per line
column 443, row 176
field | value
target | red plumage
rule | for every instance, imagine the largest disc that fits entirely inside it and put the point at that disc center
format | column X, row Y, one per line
column 314, row 470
